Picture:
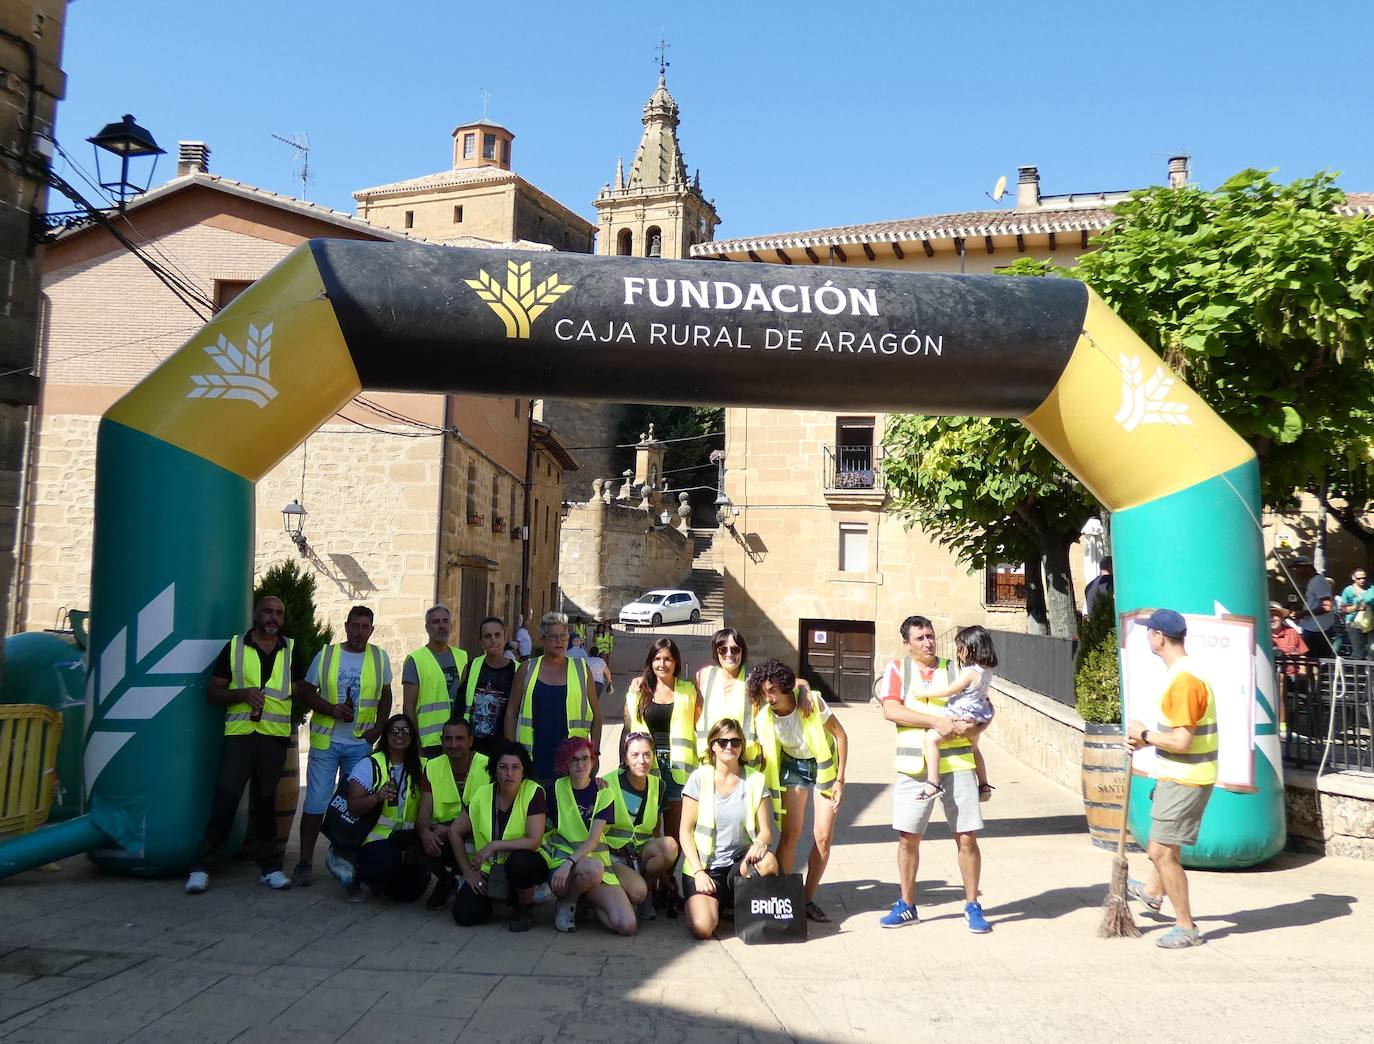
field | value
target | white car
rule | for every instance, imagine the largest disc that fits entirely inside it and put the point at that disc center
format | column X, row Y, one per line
column 660, row 607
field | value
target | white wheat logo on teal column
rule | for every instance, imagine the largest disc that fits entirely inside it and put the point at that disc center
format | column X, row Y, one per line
column 246, row 374
column 1145, row 401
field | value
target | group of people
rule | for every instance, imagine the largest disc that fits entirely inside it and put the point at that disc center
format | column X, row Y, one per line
column 485, row 780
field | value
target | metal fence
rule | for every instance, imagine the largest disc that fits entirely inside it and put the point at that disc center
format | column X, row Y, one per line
column 1036, row 661
column 1327, row 708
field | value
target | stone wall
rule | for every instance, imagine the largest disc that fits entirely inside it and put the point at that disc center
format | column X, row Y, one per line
column 612, row 553
column 589, row 430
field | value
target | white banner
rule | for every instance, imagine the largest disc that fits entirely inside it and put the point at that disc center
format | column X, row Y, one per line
column 1222, row 650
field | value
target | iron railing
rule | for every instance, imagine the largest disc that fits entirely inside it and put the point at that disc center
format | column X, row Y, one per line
column 852, row 468
column 1328, row 707
column 1037, row 662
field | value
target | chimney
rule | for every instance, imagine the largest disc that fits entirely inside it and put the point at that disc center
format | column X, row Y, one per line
column 192, row 157
column 1178, row 171
column 1027, row 188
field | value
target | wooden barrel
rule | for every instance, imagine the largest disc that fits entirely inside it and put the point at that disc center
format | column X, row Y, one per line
column 1104, row 784
column 288, row 790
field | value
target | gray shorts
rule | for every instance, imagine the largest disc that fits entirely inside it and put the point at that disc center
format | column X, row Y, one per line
column 1176, row 812
column 911, row 815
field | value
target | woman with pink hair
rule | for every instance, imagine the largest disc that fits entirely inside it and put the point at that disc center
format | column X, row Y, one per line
column 575, row 847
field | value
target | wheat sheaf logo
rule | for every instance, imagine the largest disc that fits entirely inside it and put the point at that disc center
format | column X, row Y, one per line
column 1145, row 401
column 245, row 374
column 520, row 302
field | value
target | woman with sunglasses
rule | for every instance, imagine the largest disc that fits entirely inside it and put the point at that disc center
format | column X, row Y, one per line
column 722, row 684
column 804, row 746
column 575, row 847
column 664, row 704
column 390, row 861
column 641, row 857
column 505, row 821
column 727, row 828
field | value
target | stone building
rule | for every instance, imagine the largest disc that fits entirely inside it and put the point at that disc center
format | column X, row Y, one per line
column 31, row 84
column 816, row 570
column 410, row 498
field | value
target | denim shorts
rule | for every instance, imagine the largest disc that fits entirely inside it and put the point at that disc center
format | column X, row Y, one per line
column 798, row 773
column 326, row 766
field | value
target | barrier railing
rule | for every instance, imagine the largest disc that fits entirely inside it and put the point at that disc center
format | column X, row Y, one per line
column 1328, row 707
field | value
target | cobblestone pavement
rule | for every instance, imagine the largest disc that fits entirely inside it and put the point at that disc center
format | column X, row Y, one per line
column 86, row 957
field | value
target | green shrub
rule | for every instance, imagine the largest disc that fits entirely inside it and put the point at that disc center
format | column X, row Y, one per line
column 296, row 589
column 1097, row 676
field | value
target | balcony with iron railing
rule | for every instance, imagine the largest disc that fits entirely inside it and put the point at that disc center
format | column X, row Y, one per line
column 853, row 474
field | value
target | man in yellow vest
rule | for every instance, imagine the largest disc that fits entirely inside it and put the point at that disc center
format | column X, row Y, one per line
column 253, row 680
column 429, row 680
column 904, row 704
column 348, row 690
column 450, row 783
column 1185, row 737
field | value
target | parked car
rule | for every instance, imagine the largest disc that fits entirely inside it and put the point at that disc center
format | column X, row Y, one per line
column 660, row 607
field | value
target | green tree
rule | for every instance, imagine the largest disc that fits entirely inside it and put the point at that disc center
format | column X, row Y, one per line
column 1261, row 296
column 686, row 463
column 1097, row 674
column 296, row 588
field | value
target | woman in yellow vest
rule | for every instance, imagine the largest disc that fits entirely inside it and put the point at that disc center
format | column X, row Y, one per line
column 553, row 698
column 803, row 746
column 665, row 705
column 450, row 782
column 505, row 823
column 640, row 856
column 390, row 861
column 727, row 828
column 575, row 846
column 723, row 687
column 603, row 640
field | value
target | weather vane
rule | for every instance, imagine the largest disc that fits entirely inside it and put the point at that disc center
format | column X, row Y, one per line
column 662, row 58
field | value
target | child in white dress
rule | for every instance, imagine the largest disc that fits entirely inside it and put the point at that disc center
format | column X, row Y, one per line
column 967, row 700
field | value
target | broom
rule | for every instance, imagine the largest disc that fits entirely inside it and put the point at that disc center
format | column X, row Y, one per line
column 1117, row 922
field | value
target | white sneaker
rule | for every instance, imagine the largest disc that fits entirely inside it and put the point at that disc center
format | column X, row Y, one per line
column 541, row 895
column 339, row 867
column 565, row 916
column 197, row 882
column 276, row 880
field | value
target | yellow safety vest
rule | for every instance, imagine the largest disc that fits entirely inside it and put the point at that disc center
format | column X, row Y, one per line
column 432, row 704
column 474, row 671
column 367, row 697
column 682, row 744
column 562, row 841
column 1198, row 767
column 482, row 814
column 625, row 831
column 818, row 742
column 725, row 697
column 399, row 815
column 245, row 672
column 956, row 753
column 605, row 644
column 443, row 788
column 756, row 788
column 578, row 706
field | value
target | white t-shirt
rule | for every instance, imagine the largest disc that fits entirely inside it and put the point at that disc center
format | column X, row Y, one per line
column 597, row 666
column 350, row 671
column 523, row 642
column 789, row 729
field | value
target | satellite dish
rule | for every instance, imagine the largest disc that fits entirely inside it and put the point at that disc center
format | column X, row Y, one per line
column 1000, row 189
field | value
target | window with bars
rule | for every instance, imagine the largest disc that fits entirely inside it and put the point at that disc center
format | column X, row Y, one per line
column 1004, row 585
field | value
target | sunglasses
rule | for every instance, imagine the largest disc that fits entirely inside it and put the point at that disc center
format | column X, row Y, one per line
column 734, row 742
column 732, row 650
column 639, row 736
column 399, row 730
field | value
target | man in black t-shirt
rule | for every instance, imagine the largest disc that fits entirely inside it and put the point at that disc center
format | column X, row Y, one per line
column 484, row 692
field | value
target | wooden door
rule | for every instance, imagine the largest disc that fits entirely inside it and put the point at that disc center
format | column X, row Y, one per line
column 837, row 658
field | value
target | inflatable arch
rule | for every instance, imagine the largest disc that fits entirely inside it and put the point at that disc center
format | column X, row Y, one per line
column 179, row 455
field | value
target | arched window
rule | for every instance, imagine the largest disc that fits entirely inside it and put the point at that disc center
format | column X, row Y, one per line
column 654, row 237
column 472, row 490
column 625, row 243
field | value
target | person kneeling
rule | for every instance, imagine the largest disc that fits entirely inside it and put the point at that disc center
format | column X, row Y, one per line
column 642, row 858
column 727, row 828
column 506, row 824
column 575, row 849
column 390, row 860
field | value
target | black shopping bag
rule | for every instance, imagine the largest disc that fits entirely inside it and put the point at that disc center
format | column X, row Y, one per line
column 345, row 830
column 770, row 909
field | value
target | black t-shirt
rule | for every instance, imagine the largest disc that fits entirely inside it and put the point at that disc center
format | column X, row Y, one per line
column 489, row 701
column 224, row 669
column 586, row 801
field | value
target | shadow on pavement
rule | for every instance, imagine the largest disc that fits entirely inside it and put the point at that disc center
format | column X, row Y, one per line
column 1320, row 907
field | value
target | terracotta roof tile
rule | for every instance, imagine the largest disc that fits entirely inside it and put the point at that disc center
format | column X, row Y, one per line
column 440, row 179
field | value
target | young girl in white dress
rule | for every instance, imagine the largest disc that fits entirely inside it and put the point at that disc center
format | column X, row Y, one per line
column 968, row 700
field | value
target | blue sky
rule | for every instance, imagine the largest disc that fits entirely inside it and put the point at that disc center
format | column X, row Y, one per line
column 798, row 115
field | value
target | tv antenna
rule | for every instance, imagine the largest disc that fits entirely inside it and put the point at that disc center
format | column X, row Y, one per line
column 301, row 143
column 999, row 190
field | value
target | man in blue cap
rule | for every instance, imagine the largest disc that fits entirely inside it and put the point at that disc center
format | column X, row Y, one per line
column 1186, row 740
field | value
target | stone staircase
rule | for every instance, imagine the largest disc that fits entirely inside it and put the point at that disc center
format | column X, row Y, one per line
column 706, row 580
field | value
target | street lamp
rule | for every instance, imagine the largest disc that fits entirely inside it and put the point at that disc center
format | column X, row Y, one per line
column 126, row 140
column 293, row 521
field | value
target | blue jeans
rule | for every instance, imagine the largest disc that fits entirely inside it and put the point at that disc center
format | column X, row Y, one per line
column 325, row 767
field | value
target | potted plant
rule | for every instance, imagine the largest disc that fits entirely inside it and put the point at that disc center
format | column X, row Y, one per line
column 476, row 520
column 1097, row 688
column 498, row 524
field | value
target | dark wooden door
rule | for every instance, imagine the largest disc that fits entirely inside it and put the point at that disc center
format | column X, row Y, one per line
column 472, row 607
column 837, row 658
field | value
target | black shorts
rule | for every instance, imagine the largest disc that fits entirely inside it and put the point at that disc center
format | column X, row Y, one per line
column 724, row 878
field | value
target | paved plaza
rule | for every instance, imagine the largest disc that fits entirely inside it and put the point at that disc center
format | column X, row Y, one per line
column 87, row 957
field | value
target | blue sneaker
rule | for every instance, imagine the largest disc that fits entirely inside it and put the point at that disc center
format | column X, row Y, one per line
column 977, row 923
column 900, row 914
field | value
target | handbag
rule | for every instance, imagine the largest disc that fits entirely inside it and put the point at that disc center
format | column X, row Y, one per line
column 346, row 831
column 1364, row 619
column 770, row 909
